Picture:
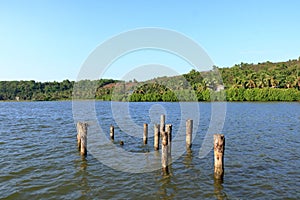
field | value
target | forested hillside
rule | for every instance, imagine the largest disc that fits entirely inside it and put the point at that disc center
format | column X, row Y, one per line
column 263, row 82
column 243, row 82
column 38, row 91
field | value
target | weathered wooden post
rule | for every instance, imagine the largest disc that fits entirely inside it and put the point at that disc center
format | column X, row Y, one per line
column 189, row 131
column 164, row 152
column 83, row 149
column 219, row 147
column 145, row 136
column 156, row 137
column 82, row 137
column 78, row 126
column 162, row 123
column 112, row 132
column 169, row 133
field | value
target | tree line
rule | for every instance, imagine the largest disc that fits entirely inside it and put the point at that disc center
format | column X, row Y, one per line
column 243, row 82
column 42, row 91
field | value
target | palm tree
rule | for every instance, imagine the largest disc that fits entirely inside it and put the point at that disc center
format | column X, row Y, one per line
column 274, row 82
column 250, row 84
column 251, row 80
column 238, row 82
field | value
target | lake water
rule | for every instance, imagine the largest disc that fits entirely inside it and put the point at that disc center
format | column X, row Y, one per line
column 39, row 157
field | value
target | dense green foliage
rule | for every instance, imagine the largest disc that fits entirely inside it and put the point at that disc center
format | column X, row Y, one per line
column 249, row 82
column 263, row 94
column 244, row 82
column 38, row 91
column 263, row 75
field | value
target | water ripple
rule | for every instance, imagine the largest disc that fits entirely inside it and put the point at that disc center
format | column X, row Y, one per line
column 39, row 157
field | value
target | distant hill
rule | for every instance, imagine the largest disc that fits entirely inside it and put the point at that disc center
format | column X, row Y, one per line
column 243, row 82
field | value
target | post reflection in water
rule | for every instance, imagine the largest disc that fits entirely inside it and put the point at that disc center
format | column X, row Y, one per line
column 188, row 158
column 84, row 182
column 166, row 187
column 218, row 189
column 83, row 164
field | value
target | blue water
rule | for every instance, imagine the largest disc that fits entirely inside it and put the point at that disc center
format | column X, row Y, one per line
column 39, row 157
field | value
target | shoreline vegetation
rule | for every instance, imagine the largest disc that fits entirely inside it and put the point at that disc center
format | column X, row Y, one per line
column 243, row 82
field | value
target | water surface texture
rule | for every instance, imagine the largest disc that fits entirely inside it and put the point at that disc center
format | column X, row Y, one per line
column 39, row 158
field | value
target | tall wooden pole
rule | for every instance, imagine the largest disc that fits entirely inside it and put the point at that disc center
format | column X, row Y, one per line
column 79, row 130
column 219, row 147
column 164, row 152
column 82, row 137
column 145, row 136
column 189, row 131
column 162, row 123
column 156, row 137
column 169, row 133
column 112, row 132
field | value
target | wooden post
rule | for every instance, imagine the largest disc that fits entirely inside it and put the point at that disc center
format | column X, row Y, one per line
column 169, row 133
column 82, row 137
column 78, row 126
column 112, row 132
column 164, row 152
column 189, row 131
column 83, row 149
column 162, row 123
column 145, row 136
column 156, row 137
column 219, row 147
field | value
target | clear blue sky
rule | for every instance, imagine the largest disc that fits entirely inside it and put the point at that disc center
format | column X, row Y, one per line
column 48, row 40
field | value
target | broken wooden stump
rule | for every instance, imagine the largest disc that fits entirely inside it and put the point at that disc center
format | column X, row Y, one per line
column 112, row 132
column 219, row 147
column 169, row 133
column 189, row 131
column 164, row 152
column 156, row 137
column 145, row 135
column 162, row 123
column 82, row 137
